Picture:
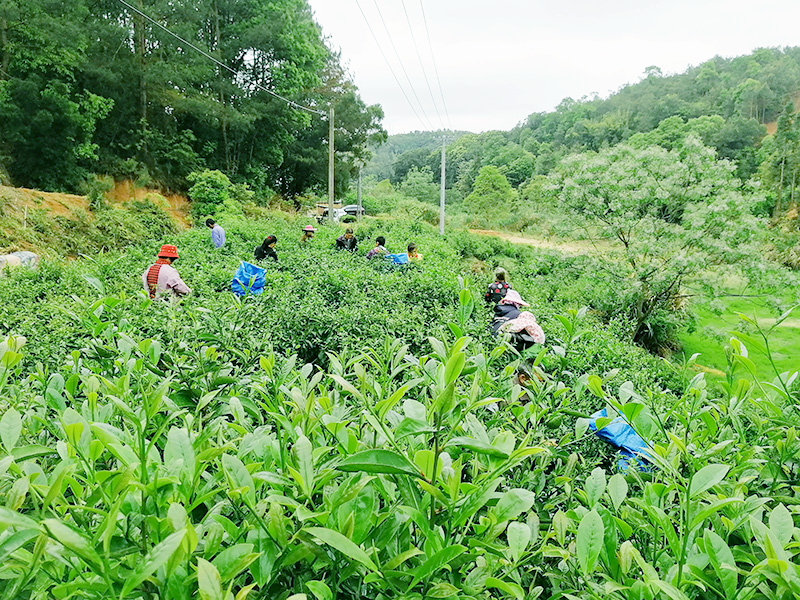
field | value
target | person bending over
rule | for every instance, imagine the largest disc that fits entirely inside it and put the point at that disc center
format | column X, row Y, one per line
column 379, row 249
column 267, row 249
column 347, row 241
column 161, row 279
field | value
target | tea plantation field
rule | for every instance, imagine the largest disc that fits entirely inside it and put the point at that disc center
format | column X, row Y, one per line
column 355, row 433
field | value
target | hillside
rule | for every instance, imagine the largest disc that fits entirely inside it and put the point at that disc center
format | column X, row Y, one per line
column 56, row 224
column 731, row 104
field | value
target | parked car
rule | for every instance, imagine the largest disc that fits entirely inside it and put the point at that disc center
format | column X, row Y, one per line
column 345, row 214
column 352, row 209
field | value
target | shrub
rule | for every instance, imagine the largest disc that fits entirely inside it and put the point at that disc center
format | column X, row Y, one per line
column 209, row 191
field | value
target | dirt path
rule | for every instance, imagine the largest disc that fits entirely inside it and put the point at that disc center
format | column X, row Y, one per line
column 573, row 247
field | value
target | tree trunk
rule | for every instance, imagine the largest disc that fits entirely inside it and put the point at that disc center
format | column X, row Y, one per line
column 779, row 199
column 5, row 55
column 140, row 48
column 223, row 121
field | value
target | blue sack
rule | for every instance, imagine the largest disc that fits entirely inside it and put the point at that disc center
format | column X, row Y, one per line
column 248, row 279
column 620, row 434
column 397, row 259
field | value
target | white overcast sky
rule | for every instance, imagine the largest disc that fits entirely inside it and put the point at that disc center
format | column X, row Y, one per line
column 501, row 60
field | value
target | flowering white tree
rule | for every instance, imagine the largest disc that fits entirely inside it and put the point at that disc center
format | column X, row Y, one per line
column 671, row 217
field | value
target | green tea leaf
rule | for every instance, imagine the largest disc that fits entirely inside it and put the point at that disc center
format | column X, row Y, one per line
column 519, row 536
column 11, row 518
column 233, row 560
column 596, row 386
column 706, row 478
column 435, row 562
column 617, row 489
column 72, row 540
column 239, row 477
column 398, row 560
column 10, row 429
column 507, row 587
column 722, row 560
column 589, row 541
column 155, row 559
column 454, row 367
column 595, row 486
column 476, row 446
column 513, row 503
column 14, row 542
column 412, row 427
column 320, row 590
column 344, row 545
column 208, row 581
column 781, row 524
column 378, row 461
column 305, row 464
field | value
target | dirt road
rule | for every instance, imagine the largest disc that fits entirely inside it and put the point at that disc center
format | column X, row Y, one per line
column 573, row 247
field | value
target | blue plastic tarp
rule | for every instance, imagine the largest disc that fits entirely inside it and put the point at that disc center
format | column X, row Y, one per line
column 248, row 279
column 397, row 259
column 620, row 434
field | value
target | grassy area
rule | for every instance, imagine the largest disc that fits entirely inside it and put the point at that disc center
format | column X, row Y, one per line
column 714, row 330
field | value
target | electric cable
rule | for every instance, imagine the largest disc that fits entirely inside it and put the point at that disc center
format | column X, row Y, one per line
column 435, row 68
column 402, row 66
column 389, row 64
column 291, row 103
column 421, row 64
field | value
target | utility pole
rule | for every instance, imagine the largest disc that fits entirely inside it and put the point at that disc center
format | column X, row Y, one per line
column 330, row 164
column 358, row 195
column 441, row 197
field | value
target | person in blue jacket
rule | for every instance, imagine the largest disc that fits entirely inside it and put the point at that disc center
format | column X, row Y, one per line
column 217, row 233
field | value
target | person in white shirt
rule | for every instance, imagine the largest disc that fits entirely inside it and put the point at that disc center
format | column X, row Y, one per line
column 161, row 278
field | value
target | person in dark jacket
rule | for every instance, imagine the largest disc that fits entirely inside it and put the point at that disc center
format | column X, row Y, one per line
column 508, row 309
column 504, row 312
column 497, row 290
column 347, row 241
column 267, row 249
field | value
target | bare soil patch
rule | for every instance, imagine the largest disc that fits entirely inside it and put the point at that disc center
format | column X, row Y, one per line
column 177, row 204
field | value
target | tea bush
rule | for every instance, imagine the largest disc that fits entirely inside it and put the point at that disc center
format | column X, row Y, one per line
column 147, row 468
column 354, row 432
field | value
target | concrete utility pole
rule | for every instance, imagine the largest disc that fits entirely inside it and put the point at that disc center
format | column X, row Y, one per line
column 330, row 164
column 441, row 197
column 358, row 195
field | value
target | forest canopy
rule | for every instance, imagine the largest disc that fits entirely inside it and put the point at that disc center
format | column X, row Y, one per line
column 96, row 87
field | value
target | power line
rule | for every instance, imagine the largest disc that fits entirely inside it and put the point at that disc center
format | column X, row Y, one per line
column 388, row 64
column 421, row 64
column 435, row 68
column 402, row 66
column 221, row 64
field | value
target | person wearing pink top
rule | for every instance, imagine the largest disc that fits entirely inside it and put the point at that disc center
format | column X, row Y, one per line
column 161, row 278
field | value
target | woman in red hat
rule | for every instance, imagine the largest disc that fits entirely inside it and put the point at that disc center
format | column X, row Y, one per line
column 162, row 277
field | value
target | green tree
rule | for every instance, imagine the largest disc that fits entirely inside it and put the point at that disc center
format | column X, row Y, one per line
column 419, row 184
column 780, row 169
column 492, row 196
column 671, row 218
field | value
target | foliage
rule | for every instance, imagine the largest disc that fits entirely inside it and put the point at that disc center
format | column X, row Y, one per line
column 210, row 190
column 669, row 218
column 93, row 87
column 419, row 184
column 492, row 195
column 144, row 466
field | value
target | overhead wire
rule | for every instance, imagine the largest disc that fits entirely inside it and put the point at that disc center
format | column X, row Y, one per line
column 435, row 67
column 389, row 64
column 402, row 66
column 291, row 103
column 421, row 64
